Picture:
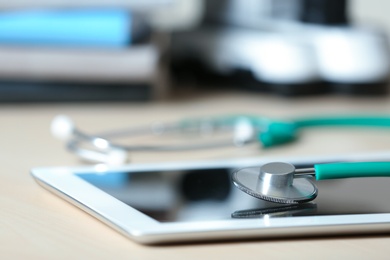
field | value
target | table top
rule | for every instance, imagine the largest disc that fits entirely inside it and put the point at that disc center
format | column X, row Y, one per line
column 35, row 224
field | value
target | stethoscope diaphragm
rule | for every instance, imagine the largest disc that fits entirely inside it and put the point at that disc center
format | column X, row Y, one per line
column 275, row 182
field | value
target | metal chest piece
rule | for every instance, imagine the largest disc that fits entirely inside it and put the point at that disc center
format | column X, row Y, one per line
column 275, row 182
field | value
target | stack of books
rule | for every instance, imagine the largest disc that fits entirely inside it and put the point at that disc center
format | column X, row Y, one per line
column 78, row 51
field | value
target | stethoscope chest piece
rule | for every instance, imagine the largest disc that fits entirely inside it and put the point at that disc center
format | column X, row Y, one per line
column 275, row 182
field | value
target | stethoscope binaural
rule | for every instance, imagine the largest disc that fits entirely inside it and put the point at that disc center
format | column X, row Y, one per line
column 280, row 182
column 246, row 129
column 102, row 149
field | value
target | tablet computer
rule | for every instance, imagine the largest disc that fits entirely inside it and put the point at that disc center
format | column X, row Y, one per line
column 197, row 201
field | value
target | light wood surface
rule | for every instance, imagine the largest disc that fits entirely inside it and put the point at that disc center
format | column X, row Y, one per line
column 35, row 224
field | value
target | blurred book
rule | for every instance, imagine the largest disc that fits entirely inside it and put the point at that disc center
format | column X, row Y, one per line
column 134, row 5
column 114, row 72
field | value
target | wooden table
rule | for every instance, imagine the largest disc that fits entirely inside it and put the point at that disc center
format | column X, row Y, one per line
column 35, row 224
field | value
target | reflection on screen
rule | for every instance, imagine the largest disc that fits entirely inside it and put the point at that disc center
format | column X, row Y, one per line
column 208, row 194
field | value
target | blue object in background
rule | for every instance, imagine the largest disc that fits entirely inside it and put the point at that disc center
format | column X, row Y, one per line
column 100, row 28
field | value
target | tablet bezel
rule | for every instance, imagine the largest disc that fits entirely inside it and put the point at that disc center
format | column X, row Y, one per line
column 64, row 182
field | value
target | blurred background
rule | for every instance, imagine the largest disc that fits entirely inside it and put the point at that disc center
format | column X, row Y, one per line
column 129, row 50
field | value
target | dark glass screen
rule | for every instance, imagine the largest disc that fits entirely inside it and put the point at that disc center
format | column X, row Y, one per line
column 209, row 194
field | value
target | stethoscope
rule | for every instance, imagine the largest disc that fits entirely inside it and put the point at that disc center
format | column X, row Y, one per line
column 276, row 182
column 280, row 182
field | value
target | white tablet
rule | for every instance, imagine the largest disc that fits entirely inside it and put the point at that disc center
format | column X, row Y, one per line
column 196, row 201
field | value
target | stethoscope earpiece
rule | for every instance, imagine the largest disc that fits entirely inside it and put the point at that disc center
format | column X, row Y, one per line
column 62, row 127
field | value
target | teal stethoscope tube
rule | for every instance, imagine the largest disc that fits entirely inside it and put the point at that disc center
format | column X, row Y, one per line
column 280, row 132
column 344, row 121
column 351, row 170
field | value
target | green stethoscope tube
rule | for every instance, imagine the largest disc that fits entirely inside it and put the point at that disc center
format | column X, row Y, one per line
column 351, row 170
column 376, row 121
column 280, row 132
column 271, row 132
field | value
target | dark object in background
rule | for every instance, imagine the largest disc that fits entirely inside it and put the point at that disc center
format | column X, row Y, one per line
column 325, row 12
column 60, row 92
column 290, row 48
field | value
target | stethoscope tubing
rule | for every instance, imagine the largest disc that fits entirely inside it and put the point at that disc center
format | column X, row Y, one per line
column 357, row 121
column 351, row 170
column 341, row 170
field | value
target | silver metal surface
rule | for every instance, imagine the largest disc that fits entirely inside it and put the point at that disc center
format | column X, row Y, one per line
column 277, row 174
column 275, row 182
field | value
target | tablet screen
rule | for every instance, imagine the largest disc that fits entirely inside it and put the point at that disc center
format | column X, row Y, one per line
column 209, row 194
